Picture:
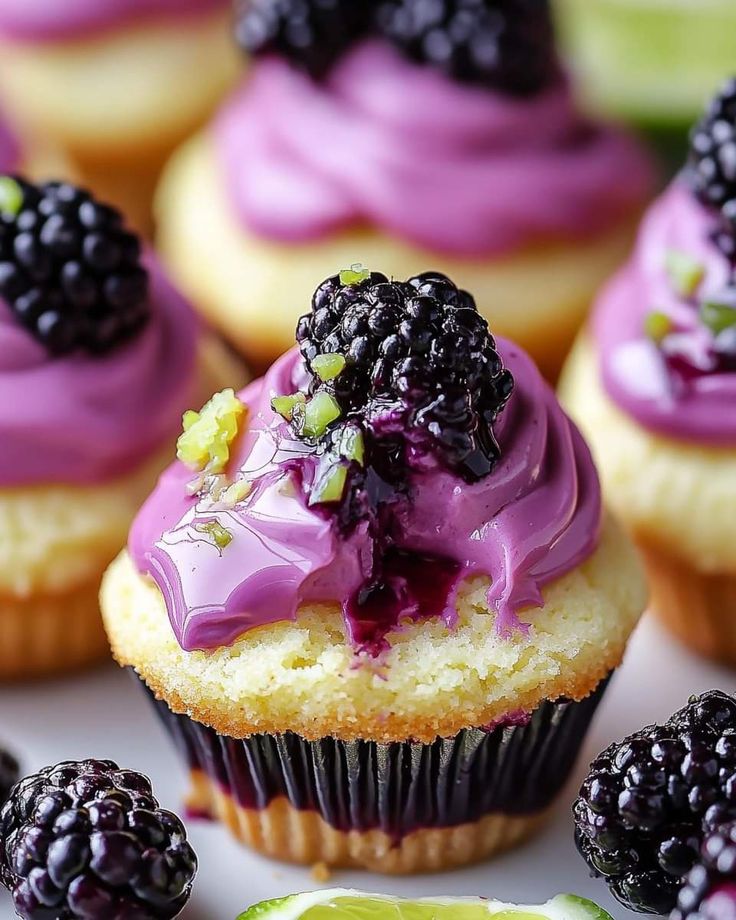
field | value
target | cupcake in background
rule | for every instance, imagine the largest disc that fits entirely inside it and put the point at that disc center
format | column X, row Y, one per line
column 99, row 357
column 653, row 385
column 377, row 136
column 377, row 598
column 116, row 85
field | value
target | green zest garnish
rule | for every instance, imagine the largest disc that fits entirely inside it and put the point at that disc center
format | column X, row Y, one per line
column 218, row 534
column 11, row 197
column 717, row 316
column 657, row 325
column 285, row 405
column 319, row 413
column 685, row 272
column 236, row 492
column 327, row 367
column 355, row 274
column 209, row 434
column 352, row 444
column 329, row 487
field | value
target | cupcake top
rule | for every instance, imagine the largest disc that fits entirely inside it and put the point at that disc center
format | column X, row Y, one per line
column 396, row 452
column 478, row 150
column 665, row 326
column 48, row 20
column 97, row 350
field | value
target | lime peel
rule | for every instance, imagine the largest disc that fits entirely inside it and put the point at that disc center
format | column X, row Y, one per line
column 11, row 196
column 328, row 366
column 209, row 434
column 319, row 413
column 285, row 405
column 355, row 274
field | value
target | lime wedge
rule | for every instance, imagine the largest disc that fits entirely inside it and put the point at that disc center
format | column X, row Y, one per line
column 342, row 904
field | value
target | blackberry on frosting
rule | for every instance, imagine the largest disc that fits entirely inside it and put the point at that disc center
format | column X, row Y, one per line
column 69, row 270
column 413, row 363
column 648, row 802
column 709, row 892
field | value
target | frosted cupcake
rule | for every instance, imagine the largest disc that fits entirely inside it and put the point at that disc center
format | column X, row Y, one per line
column 376, row 598
column 99, row 356
column 116, row 84
column 365, row 143
column 653, row 384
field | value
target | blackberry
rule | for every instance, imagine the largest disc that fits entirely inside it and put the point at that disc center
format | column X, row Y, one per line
column 85, row 839
column 69, row 270
column 709, row 892
column 648, row 801
column 421, row 372
column 312, row 33
column 502, row 44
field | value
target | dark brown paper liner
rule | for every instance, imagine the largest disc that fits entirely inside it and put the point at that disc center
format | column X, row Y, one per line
column 352, row 803
column 699, row 608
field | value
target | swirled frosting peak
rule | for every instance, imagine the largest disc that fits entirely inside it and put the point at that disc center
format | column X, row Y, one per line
column 444, row 165
column 226, row 568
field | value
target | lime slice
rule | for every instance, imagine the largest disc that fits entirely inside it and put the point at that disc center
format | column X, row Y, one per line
column 342, row 904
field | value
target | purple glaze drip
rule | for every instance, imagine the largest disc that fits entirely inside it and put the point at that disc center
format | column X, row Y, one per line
column 50, row 20
column 451, row 167
column 82, row 418
column 512, row 769
column 536, row 517
column 660, row 394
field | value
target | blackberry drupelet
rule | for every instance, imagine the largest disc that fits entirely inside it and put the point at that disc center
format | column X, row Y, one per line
column 709, row 892
column 69, row 271
column 421, row 372
column 312, row 33
column 648, row 801
column 502, row 44
column 88, row 840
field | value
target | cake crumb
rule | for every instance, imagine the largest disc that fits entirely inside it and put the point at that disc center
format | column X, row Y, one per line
column 321, row 872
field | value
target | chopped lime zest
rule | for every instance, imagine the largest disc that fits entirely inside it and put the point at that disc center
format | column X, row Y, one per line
column 285, row 405
column 319, row 413
column 236, row 492
column 209, row 434
column 330, row 487
column 657, row 325
column 329, row 366
column 11, row 197
column 717, row 316
column 685, row 272
column 355, row 274
column 218, row 534
column 352, row 444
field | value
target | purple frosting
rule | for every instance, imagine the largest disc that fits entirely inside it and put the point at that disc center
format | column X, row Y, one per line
column 536, row 517
column 445, row 165
column 82, row 418
column 39, row 20
column 636, row 375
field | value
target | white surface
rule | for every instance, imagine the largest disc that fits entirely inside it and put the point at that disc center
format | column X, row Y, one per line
column 105, row 715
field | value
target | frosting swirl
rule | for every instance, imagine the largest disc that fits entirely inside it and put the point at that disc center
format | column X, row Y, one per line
column 447, row 166
column 536, row 517
column 82, row 418
column 41, row 20
column 634, row 370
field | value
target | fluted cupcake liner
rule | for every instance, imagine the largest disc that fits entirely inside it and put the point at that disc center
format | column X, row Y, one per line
column 493, row 783
column 698, row 607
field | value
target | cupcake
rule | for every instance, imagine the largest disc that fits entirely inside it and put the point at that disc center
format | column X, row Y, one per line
column 117, row 85
column 652, row 383
column 653, row 61
column 376, row 598
column 99, row 356
column 364, row 141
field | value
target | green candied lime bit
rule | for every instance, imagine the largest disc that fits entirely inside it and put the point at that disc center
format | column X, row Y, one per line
column 717, row 316
column 684, row 271
column 11, row 196
column 236, row 492
column 355, row 274
column 329, row 366
column 209, row 434
column 657, row 325
column 330, row 487
column 218, row 534
column 352, row 444
column 320, row 412
column 285, row 405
